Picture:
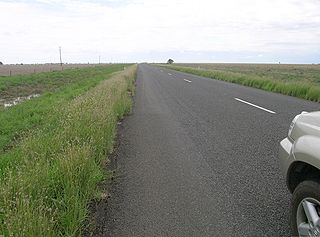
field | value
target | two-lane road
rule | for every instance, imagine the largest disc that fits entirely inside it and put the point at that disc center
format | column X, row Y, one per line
column 198, row 157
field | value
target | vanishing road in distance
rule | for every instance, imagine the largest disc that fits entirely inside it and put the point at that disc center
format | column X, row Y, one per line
column 199, row 157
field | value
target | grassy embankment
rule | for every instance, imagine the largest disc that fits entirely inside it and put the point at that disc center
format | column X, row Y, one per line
column 301, row 81
column 49, row 175
column 56, row 89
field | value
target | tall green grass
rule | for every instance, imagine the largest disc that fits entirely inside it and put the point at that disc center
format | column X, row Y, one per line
column 57, row 87
column 298, row 89
column 20, row 85
column 47, row 194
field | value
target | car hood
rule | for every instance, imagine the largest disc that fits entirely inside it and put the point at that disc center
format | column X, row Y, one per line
column 306, row 124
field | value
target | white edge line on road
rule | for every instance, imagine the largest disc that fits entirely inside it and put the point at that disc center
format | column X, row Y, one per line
column 259, row 107
column 187, row 80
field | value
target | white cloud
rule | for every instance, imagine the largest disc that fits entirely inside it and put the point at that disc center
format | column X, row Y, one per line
column 31, row 31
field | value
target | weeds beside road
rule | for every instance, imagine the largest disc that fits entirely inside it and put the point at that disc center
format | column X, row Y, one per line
column 301, row 81
column 38, row 83
column 56, row 89
column 54, row 171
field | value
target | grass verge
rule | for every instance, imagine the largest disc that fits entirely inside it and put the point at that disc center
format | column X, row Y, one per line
column 304, row 90
column 24, row 85
column 60, row 164
column 57, row 89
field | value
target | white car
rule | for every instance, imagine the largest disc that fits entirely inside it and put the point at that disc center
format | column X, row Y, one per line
column 300, row 163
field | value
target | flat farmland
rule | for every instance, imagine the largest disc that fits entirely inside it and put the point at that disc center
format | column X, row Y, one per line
column 298, row 80
column 21, row 69
column 309, row 73
column 34, row 80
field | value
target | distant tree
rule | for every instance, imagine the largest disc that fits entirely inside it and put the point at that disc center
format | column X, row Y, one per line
column 170, row 61
column 1, row 63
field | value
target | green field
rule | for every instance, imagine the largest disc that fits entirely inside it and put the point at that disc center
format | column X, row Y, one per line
column 53, row 146
column 56, row 89
column 297, row 80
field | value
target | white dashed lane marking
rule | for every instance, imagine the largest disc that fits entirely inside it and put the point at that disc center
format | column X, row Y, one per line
column 256, row 106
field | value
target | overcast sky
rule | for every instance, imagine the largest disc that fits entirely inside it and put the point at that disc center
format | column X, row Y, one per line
column 154, row 30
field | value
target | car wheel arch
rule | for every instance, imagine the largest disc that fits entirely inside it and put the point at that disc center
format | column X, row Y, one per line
column 300, row 171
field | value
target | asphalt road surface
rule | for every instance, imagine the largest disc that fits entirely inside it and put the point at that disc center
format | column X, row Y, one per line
column 199, row 157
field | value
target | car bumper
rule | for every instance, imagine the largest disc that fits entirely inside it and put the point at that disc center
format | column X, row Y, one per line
column 285, row 155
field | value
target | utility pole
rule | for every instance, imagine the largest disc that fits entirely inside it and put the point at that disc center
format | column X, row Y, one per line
column 60, row 56
column 99, row 59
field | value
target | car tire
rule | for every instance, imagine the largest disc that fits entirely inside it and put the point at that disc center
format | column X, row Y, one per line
column 307, row 190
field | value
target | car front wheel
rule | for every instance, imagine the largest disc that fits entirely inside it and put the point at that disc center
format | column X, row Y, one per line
column 305, row 209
